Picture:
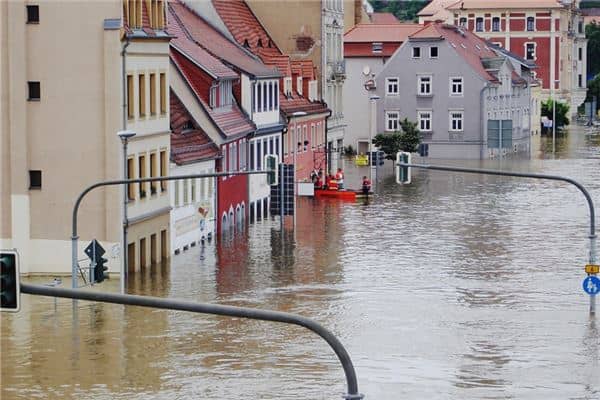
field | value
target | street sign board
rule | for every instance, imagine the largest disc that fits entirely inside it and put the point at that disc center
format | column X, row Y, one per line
column 591, row 285
column 94, row 248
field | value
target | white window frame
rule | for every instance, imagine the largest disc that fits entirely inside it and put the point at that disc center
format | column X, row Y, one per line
column 388, row 82
column 526, row 21
column 452, row 116
column 388, row 119
column 299, row 85
column 438, row 51
column 413, row 52
column 534, row 51
column 462, row 86
column 463, row 22
column 482, row 24
column 499, row 24
column 420, row 81
column 377, row 47
column 420, row 119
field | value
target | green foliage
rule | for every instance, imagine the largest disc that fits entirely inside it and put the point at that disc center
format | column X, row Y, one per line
column 562, row 110
column 405, row 10
column 406, row 140
column 590, row 4
column 349, row 150
column 594, row 90
column 592, row 33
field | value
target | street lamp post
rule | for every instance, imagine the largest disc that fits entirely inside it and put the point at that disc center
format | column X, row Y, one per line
column 125, row 136
column 553, row 116
column 372, row 128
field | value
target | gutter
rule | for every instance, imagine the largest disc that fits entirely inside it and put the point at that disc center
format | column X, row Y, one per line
column 327, row 166
column 482, row 119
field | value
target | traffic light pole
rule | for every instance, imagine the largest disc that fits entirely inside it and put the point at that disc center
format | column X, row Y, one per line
column 592, row 235
column 75, row 237
column 214, row 309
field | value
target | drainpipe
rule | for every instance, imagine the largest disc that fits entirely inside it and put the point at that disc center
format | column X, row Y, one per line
column 326, row 141
column 483, row 119
column 124, row 79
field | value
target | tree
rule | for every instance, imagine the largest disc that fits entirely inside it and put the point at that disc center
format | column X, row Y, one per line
column 405, row 10
column 562, row 110
column 592, row 33
column 406, row 140
column 593, row 89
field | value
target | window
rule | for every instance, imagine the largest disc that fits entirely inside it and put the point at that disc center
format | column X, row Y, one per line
column 225, row 96
column 499, row 134
column 130, row 105
column 424, row 150
column 176, row 190
column 580, row 27
column 163, row 169
column 276, row 96
column 34, row 91
column 580, row 80
column 163, row 93
column 463, row 22
column 185, row 191
column 299, row 85
column 130, row 175
column 392, row 119
column 152, row 94
column 313, row 135
column 530, row 24
column 479, row 24
column 456, row 87
column 153, row 173
column 270, row 96
column 456, row 121
column 265, row 97
column 35, row 179
column 580, row 54
column 243, row 154
column 33, row 14
column 305, row 137
column 433, row 52
column 530, row 51
column 498, row 44
column 391, row 86
column 377, row 47
column 193, row 189
column 252, row 165
column 142, row 94
column 259, row 97
column 258, row 156
column 416, row 52
column 142, row 171
column 496, row 24
column 424, row 118
column 424, row 88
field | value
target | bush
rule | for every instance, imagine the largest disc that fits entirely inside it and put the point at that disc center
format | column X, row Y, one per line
column 408, row 139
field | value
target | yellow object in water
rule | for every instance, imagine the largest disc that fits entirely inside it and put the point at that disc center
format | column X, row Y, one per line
column 362, row 160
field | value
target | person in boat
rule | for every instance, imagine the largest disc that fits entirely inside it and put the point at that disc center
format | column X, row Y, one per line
column 366, row 186
column 339, row 177
column 333, row 183
column 319, row 181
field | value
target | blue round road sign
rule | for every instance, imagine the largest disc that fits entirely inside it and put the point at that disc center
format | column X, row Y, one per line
column 591, row 285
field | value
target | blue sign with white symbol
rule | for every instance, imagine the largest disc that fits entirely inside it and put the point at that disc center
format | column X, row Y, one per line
column 591, row 285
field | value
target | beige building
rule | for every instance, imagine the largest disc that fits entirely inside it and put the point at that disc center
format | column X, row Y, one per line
column 62, row 104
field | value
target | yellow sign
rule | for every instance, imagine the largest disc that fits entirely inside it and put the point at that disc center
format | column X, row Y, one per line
column 362, row 160
column 592, row 269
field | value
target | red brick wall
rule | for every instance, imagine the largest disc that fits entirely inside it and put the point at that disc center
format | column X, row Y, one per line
column 517, row 24
column 231, row 191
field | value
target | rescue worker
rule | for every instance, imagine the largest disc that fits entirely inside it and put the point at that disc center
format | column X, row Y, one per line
column 339, row 177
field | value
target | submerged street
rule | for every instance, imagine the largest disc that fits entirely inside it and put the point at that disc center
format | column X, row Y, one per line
column 454, row 287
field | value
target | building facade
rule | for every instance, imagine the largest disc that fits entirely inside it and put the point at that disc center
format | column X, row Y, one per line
column 468, row 101
column 367, row 47
column 549, row 32
column 57, row 98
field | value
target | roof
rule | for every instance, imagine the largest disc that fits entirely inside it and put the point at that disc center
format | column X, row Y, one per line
column 469, row 46
column 398, row 32
column 231, row 121
column 435, row 6
column 188, row 145
column 504, row 4
column 527, row 63
column 249, row 32
column 197, row 54
column 383, row 18
column 211, row 40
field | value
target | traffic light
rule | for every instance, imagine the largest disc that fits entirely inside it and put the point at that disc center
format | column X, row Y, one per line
column 9, row 286
column 100, row 270
column 376, row 158
column 271, row 163
column 402, row 173
column 380, row 157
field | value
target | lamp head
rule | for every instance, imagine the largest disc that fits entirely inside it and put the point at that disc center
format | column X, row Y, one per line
column 125, row 135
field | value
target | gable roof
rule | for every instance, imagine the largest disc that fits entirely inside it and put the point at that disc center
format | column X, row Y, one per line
column 467, row 45
column 193, row 145
column 219, row 46
column 368, row 33
column 230, row 121
column 435, row 6
column 526, row 63
column 504, row 4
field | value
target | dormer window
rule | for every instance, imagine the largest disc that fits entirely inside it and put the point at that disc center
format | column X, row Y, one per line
column 246, row 44
column 187, row 126
column 259, row 43
column 299, row 85
column 157, row 14
column 132, row 12
column 287, row 86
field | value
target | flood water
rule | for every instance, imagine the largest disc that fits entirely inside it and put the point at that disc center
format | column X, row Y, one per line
column 454, row 287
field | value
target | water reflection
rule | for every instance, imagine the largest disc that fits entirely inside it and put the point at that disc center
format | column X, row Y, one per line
column 456, row 286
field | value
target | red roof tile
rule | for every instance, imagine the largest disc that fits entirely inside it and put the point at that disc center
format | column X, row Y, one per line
column 383, row 18
column 231, row 120
column 217, row 44
column 468, row 45
column 504, row 4
column 380, row 33
column 200, row 56
column 193, row 145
